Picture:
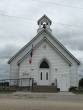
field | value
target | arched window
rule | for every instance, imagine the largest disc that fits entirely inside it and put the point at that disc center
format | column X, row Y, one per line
column 44, row 64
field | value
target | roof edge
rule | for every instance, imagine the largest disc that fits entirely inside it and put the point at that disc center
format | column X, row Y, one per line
column 42, row 18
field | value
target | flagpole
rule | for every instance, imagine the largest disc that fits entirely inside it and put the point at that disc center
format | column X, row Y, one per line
column 30, row 61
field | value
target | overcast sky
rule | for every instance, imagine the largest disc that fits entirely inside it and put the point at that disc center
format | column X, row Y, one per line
column 18, row 25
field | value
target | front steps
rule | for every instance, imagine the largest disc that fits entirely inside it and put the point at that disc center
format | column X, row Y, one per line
column 37, row 88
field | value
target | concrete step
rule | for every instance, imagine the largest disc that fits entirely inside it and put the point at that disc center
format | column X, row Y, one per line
column 44, row 88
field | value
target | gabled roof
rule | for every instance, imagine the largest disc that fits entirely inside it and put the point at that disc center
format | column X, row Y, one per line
column 44, row 16
column 46, row 31
column 37, row 45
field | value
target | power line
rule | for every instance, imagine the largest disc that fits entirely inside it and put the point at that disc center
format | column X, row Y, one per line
column 61, row 4
column 17, row 17
column 68, row 6
column 70, row 25
column 64, row 5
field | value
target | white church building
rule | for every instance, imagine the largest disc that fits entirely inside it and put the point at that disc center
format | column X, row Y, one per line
column 45, row 60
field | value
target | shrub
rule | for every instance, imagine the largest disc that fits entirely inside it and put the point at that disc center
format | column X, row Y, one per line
column 81, row 83
column 58, row 89
column 72, row 89
column 52, row 84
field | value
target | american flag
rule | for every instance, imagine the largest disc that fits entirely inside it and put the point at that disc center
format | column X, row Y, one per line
column 31, row 54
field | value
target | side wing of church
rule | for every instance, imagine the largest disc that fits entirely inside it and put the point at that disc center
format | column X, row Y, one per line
column 45, row 60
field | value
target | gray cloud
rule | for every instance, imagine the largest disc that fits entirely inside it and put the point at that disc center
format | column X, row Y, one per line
column 4, row 69
column 5, row 53
column 70, row 36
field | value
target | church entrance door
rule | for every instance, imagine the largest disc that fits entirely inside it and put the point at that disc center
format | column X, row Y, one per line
column 43, row 78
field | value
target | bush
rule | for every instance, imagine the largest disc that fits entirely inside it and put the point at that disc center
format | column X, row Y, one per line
column 52, row 84
column 35, row 84
column 4, row 83
column 58, row 89
column 81, row 83
column 72, row 89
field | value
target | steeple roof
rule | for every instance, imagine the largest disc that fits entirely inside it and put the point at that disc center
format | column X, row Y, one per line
column 44, row 17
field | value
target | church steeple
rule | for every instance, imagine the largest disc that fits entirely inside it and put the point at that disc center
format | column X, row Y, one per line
column 44, row 23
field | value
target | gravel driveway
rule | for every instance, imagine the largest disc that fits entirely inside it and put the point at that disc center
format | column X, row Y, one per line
column 41, row 101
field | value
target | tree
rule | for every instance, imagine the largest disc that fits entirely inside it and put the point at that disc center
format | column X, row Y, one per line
column 81, row 83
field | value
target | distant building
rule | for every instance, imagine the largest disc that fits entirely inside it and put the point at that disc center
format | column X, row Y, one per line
column 45, row 60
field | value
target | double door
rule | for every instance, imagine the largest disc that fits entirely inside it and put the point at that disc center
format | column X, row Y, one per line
column 43, row 78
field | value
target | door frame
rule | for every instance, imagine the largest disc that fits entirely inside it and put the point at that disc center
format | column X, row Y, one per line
column 43, row 72
column 44, row 59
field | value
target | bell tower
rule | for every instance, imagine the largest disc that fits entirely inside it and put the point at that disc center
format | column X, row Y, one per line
column 44, row 23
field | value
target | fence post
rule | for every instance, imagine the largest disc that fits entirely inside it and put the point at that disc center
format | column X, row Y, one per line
column 32, row 83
